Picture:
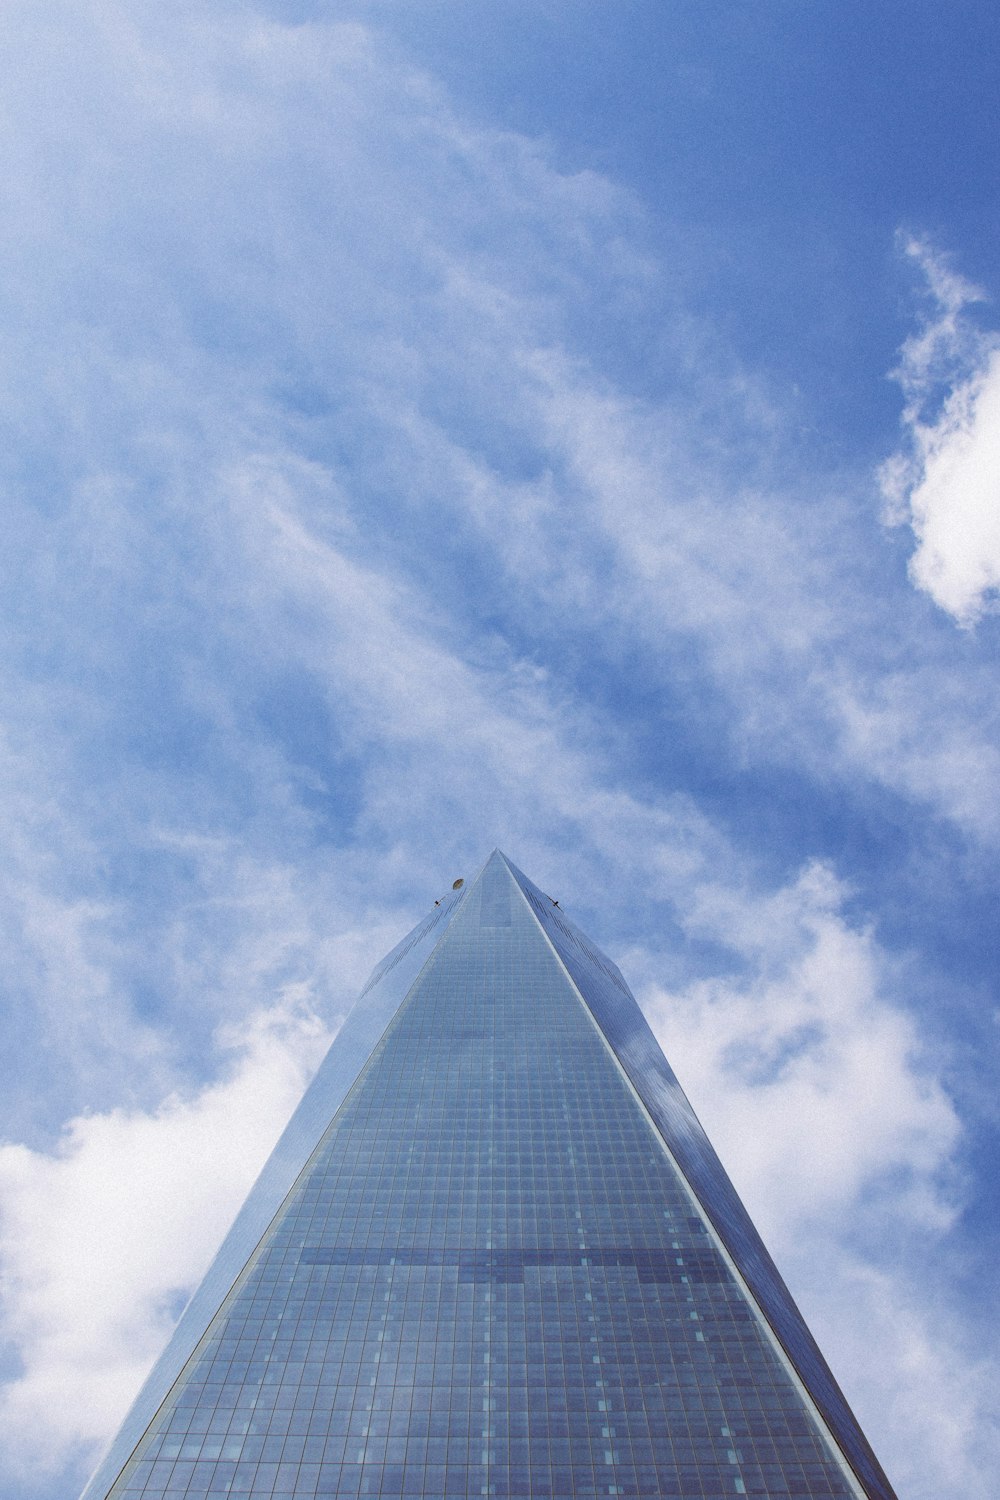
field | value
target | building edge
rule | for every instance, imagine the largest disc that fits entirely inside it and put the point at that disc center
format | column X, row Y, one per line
column 628, row 1036
column 386, row 989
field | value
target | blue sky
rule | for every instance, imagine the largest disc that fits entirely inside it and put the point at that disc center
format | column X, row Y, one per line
column 574, row 428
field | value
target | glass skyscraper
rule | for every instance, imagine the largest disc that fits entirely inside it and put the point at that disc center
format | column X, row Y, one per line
column 493, row 1254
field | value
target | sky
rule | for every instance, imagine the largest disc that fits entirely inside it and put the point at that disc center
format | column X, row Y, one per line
column 573, row 428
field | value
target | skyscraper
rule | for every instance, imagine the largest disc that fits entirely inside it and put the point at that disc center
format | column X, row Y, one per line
column 493, row 1254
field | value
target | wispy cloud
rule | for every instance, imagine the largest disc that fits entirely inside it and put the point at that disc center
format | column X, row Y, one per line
column 945, row 480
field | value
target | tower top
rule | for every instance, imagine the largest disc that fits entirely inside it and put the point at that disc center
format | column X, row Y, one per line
column 493, row 1253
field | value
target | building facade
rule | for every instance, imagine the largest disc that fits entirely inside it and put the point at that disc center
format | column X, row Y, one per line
column 493, row 1254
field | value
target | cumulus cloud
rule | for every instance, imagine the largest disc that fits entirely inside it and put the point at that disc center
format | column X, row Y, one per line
column 945, row 480
column 835, row 1124
column 813, row 1039
column 103, row 1238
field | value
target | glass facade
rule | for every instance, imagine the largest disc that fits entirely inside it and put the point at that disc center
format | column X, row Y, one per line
column 483, row 1272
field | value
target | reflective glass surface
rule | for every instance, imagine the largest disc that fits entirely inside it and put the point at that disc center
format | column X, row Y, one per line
column 614, row 1008
column 387, row 987
column 489, row 1279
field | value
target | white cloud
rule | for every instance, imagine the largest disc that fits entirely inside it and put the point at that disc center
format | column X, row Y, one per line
column 103, row 1238
column 426, row 282
column 812, row 1037
column 833, row 1121
column 956, row 503
column 945, row 481
column 934, row 1423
